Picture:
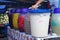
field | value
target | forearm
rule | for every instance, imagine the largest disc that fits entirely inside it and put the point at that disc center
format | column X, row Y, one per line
column 38, row 2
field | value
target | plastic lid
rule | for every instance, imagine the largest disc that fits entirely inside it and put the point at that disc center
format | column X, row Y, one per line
column 24, row 10
column 39, row 11
column 18, row 10
column 13, row 11
column 57, row 10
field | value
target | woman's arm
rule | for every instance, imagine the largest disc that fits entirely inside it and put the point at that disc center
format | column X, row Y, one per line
column 36, row 4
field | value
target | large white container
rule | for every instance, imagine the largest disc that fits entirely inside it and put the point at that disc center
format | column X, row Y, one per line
column 55, row 21
column 39, row 20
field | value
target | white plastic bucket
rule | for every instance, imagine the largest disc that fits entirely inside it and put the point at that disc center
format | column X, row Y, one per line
column 39, row 20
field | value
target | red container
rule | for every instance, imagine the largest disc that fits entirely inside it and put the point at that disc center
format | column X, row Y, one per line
column 21, row 23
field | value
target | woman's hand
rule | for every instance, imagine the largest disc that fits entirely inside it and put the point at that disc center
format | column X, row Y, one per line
column 34, row 7
column 37, row 4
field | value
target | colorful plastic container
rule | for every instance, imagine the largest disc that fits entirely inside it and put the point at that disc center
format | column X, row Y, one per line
column 15, row 20
column 55, row 21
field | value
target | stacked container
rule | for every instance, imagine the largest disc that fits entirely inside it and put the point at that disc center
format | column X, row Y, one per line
column 15, row 19
column 21, row 19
